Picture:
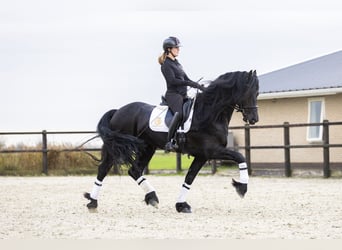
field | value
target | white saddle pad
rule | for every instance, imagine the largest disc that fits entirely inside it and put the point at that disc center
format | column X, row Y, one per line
column 157, row 120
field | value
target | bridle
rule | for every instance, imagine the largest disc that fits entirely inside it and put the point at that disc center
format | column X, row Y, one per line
column 242, row 109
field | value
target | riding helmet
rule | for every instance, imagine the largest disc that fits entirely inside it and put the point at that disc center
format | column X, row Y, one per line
column 171, row 42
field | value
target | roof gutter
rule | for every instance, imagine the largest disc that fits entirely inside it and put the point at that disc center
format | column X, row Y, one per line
column 300, row 93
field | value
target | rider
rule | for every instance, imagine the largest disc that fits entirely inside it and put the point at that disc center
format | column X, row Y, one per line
column 176, row 82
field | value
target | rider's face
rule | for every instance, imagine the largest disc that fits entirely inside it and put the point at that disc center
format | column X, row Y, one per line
column 175, row 51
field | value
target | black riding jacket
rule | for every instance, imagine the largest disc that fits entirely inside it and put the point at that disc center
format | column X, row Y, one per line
column 176, row 79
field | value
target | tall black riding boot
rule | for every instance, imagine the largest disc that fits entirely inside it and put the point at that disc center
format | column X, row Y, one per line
column 171, row 144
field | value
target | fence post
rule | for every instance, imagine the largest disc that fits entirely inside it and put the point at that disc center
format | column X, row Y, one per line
column 248, row 148
column 146, row 170
column 116, row 170
column 179, row 163
column 45, row 151
column 288, row 171
column 326, row 153
column 213, row 167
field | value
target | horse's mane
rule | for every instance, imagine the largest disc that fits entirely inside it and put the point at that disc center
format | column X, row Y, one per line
column 226, row 84
column 221, row 95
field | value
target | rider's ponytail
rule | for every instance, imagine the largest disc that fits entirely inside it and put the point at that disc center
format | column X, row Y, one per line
column 161, row 58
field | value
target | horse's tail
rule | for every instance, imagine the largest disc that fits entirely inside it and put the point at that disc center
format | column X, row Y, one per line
column 104, row 122
column 121, row 149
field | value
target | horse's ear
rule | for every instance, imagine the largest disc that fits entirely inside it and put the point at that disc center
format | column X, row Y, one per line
column 250, row 75
column 254, row 73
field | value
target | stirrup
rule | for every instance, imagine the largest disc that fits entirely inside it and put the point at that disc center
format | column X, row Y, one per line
column 171, row 146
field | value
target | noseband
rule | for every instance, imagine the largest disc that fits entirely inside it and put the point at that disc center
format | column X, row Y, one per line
column 242, row 109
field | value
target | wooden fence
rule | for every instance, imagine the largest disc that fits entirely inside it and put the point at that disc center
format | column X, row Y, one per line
column 248, row 147
column 45, row 150
column 286, row 146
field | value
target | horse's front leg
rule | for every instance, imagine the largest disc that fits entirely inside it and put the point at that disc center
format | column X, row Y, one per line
column 182, row 206
column 226, row 154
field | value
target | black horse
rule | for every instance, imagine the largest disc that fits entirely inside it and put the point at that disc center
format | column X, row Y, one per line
column 128, row 139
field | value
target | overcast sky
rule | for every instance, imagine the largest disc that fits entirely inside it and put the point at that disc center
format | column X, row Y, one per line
column 64, row 63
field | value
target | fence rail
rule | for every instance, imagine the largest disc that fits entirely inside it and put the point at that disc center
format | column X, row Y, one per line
column 325, row 145
column 45, row 150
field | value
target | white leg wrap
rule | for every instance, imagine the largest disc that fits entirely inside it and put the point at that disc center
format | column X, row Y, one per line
column 243, row 173
column 96, row 189
column 145, row 185
column 183, row 193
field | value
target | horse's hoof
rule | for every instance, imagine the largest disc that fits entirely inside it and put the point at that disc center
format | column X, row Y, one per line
column 241, row 188
column 183, row 207
column 152, row 199
column 92, row 205
column 153, row 203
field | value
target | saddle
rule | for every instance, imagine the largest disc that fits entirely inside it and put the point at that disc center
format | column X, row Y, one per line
column 187, row 104
column 161, row 117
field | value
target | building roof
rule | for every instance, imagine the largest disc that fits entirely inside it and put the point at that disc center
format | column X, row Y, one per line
column 321, row 73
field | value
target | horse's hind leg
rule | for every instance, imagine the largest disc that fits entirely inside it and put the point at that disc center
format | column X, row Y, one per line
column 102, row 172
column 136, row 172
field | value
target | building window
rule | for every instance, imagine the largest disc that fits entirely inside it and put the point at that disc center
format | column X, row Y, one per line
column 316, row 115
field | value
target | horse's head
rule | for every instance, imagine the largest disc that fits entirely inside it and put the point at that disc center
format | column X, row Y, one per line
column 233, row 90
column 248, row 103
